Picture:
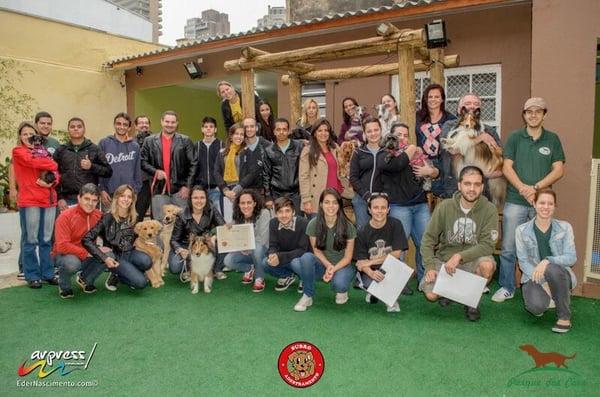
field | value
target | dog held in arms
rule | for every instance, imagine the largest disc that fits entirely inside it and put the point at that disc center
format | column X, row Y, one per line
column 386, row 119
column 344, row 157
column 170, row 212
column 202, row 260
column 394, row 146
column 146, row 242
column 466, row 149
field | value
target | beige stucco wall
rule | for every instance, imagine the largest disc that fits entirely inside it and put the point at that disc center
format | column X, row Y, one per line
column 62, row 67
column 563, row 62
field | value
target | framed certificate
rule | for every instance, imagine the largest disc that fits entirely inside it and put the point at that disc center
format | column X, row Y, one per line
column 237, row 238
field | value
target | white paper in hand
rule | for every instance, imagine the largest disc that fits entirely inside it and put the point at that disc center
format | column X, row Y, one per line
column 462, row 287
column 397, row 274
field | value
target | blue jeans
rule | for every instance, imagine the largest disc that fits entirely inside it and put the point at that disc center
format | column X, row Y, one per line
column 283, row 269
column 513, row 215
column 37, row 236
column 132, row 265
column 214, row 195
column 90, row 268
column 360, row 211
column 414, row 220
column 242, row 263
column 312, row 269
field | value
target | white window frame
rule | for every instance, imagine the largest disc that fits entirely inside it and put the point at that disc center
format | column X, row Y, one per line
column 467, row 70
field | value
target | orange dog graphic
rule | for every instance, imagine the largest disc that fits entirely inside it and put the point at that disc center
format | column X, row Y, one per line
column 541, row 359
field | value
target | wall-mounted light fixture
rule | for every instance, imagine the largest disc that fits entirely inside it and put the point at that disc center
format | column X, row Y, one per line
column 139, row 71
column 193, row 69
column 436, row 34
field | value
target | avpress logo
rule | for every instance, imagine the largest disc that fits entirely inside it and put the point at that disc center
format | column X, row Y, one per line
column 549, row 370
column 50, row 361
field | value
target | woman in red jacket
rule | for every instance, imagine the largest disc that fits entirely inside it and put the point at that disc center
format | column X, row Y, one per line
column 37, row 206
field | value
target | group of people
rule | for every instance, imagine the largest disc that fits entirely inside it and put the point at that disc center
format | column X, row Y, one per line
column 312, row 219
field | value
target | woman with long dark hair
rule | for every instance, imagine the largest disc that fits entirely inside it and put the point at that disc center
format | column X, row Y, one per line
column 248, row 208
column 37, row 201
column 430, row 119
column 331, row 237
column 126, row 264
column 352, row 126
column 199, row 217
column 318, row 167
column 227, row 168
column 266, row 121
column 546, row 252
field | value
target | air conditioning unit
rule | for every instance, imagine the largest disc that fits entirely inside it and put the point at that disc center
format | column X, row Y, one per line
column 592, row 250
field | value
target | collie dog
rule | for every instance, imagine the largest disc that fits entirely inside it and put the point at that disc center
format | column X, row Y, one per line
column 385, row 118
column 146, row 242
column 462, row 143
column 170, row 212
column 202, row 260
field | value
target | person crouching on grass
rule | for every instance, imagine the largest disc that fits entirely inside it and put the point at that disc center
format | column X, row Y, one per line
column 383, row 235
column 126, row 264
column 331, row 236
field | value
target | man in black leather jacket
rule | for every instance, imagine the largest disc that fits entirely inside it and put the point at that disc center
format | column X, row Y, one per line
column 170, row 179
column 282, row 158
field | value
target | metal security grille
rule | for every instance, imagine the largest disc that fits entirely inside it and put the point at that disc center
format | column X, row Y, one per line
column 592, row 252
column 485, row 81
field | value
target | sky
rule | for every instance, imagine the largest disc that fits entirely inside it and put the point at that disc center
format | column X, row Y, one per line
column 242, row 14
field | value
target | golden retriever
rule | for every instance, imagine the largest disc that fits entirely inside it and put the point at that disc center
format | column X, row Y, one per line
column 170, row 212
column 146, row 242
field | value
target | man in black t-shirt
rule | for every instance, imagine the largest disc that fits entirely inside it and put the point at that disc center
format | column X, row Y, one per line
column 383, row 235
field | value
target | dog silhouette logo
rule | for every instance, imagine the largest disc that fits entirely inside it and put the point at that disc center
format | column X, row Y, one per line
column 301, row 364
column 542, row 359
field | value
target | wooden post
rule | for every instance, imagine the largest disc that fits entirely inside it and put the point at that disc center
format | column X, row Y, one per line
column 248, row 93
column 295, row 88
column 436, row 55
column 406, row 83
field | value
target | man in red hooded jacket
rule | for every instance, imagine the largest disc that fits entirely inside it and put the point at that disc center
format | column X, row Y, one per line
column 70, row 256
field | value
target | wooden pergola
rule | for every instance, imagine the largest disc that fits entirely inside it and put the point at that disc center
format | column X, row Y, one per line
column 413, row 56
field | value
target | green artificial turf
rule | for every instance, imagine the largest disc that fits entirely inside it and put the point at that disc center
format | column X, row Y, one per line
column 170, row 342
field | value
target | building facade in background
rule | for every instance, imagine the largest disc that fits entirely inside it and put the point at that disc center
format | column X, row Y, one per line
column 212, row 23
column 275, row 16
column 149, row 9
column 301, row 10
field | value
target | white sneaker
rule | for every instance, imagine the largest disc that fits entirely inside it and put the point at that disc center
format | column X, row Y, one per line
column 220, row 276
column 395, row 308
column 552, row 305
column 486, row 290
column 341, row 298
column 502, row 294
column 303, row 303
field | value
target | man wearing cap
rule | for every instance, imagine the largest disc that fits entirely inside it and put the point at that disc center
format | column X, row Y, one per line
column 533, row 159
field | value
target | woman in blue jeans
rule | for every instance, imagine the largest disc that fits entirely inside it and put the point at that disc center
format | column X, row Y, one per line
column 126, row 264
column 408, row 201
column 331, row 236
column 37, row 207
column 248, row 208
column 546, row 252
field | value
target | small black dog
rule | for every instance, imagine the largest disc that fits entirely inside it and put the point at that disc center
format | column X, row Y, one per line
column 38, row 142
column 391, row 143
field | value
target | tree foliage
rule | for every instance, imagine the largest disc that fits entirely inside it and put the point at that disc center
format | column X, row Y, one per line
column 15, row 105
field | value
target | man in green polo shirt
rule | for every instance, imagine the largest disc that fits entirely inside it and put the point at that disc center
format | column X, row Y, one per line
column 533, row 159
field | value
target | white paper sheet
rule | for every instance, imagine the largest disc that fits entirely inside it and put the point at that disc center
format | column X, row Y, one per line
column 397, row 274
column 237, row 238
column 462, row 287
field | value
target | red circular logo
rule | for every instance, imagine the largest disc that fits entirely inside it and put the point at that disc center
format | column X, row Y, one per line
column 301, row 364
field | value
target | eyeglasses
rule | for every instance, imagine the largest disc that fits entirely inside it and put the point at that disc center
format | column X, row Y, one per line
column 375, row 195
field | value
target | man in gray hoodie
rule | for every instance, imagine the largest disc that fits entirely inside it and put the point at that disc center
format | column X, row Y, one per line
column 123, row 155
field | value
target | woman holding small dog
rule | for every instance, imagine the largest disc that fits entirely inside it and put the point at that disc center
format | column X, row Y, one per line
column 318, row 167
column 352, row 126
column 332, row 237
column 546, row 252
column 248, row 208
column 116, row 228
column 37, row 201
column 198, row 218
column 391, row 108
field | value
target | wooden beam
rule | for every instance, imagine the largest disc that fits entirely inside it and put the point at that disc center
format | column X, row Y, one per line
column 436, row 55
column 406, row 84
column 366, row 71
column 295, row 98
column 248, row 93
column 250, row 53
column 373, row 45
column 386, row 29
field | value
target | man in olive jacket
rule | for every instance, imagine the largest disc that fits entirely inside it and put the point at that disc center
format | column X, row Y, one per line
column 462, row 234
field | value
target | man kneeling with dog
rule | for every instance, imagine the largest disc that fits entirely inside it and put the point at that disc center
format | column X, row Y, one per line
column 462, row 234
column 70, row 255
